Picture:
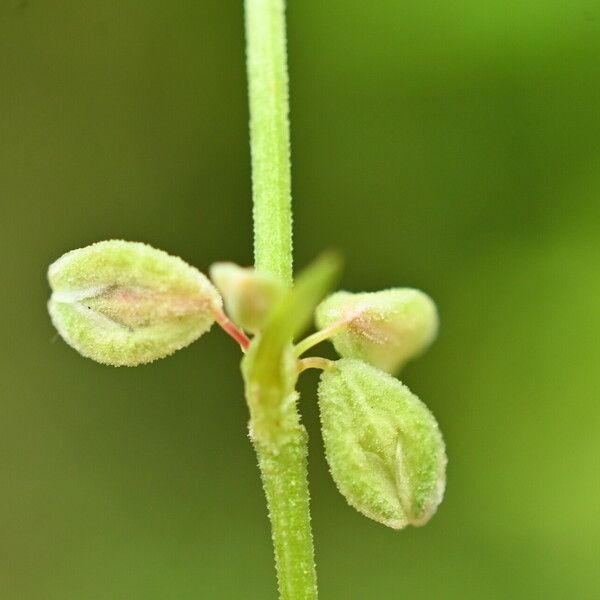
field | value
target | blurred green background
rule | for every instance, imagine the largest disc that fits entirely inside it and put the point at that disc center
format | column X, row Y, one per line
column 452, row 146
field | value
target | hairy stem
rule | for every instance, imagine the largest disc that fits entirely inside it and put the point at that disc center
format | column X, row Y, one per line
column 269, row 137
column 283, row 473
column 283, row 461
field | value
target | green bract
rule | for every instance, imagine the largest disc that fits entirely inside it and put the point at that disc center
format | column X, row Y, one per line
column 126, row 303
column 383, row 446
column 249, row 295
column 384, row 328
column 270, row 368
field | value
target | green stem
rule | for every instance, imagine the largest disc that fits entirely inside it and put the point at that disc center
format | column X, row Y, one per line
column 314, row 362
column 283, row 472
column 282, row 459
column 269, row 137
column 320, row 336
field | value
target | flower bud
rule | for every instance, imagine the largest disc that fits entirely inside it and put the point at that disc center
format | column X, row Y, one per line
column 384, row 448
column 385, row 328
column 126, row 303
column 249, row 295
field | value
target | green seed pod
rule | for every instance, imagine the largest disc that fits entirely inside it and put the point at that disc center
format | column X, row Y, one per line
column 249, row 295
column 383, row 446
column 126, row 303
column 385, row 328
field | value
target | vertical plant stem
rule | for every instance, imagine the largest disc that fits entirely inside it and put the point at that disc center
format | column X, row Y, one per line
column 283, row 473
column 269, row 136
column 282, row 462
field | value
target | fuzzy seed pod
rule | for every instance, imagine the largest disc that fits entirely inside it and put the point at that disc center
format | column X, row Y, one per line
column 249, row 295
column 125, row 303
column 384, row 447
column 385, row 328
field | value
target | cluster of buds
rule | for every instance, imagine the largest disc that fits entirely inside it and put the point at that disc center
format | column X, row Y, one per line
column 125, row 303
column 384, row 447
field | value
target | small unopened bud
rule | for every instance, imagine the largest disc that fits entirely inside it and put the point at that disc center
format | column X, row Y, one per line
column 385, row 328
column 249, row 295
column 126, row 303
column 384, row 448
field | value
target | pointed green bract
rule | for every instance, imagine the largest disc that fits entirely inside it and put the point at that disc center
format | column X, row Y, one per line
column 294, row 311
column 383, row 445
column 126, row 303
column 249, row 295
column 270, row 368
column 385, row 328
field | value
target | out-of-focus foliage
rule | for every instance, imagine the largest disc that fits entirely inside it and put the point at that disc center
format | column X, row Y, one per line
column 448, row 146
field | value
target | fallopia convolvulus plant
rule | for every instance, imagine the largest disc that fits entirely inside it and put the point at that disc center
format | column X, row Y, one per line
column 125, row 304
